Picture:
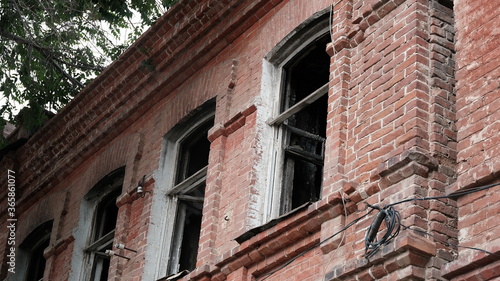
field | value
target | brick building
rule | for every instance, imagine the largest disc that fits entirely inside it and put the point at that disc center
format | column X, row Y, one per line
column 239, row 140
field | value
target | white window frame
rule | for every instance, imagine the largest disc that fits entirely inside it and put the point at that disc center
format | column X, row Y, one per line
column 98, row 247
column 84, row 249
column 161, row 256
column 272, row 87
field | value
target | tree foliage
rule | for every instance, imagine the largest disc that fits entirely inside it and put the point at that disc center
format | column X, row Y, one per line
column 49, row 49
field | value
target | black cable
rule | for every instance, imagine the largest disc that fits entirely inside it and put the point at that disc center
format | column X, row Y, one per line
column 392, row 220
column 314, row 246
column 447, row 243
column 465, row 192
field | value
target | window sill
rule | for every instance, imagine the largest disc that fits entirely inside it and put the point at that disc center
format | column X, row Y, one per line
column 302, row 222
column 254, row 231
column 175, row 276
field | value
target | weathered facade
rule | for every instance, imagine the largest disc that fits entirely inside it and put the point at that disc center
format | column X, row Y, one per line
column 243, row 139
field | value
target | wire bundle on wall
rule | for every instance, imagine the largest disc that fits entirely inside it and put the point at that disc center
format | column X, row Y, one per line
column 392, row 220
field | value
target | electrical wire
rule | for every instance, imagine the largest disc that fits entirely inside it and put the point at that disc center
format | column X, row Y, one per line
column 265, row 276
column 447, row 243
column 344, row 202
column 465, row 192
column 392, row 220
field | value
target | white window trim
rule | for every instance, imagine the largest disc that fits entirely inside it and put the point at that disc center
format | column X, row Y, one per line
column 164, row 203
column 271, row 164
column 81, row 260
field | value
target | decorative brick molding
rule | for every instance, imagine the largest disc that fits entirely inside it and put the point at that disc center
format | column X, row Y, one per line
column 473, row 263
column 60, row 246
column 406, row 257
column 232, row 125
column 408, row 163
column 353, row 17
column 275, row 246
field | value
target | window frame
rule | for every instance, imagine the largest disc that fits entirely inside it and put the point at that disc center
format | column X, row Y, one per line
column 165, row 200
column 275, row 84
column 180, row 188
column 86, row 246
column 96, row 246
column 38, row 237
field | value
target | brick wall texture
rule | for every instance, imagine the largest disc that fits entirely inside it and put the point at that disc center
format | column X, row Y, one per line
column 413, row 112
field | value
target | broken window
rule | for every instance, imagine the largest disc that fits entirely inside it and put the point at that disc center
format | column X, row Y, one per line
column 302, row 124
column 189, row 192
column 104, row 223
column 31, row 252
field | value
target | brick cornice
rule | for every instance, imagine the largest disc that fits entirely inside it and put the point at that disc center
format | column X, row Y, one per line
column 178, row 45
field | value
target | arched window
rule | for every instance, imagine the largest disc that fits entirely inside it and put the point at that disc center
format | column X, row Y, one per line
column 178, row 206
column 31, row 252
column 298, row 71
column 96, row 229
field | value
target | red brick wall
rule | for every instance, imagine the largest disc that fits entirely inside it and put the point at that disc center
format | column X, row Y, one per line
column 478, row 113
column 395, row 130
column 478, row 97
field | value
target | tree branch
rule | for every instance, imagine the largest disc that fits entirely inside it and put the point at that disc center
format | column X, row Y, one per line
column 46, row 52
column 80, row 66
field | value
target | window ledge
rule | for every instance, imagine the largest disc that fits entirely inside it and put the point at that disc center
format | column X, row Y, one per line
column 254, row 231
column 175, row 276
column 260, row 242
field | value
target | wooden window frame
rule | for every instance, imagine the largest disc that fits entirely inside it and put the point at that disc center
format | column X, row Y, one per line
column 178, row 195
column 95, row 249
column 283, row 190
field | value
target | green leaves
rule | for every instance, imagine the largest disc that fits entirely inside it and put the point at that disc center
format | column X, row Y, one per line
column 50, row 49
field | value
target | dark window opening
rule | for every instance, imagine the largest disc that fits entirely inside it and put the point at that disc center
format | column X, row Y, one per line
column 446, row 3
column 104, row 224
column 37, row 262
column 194, row 153
column 192, row 229
column 305, row 130
column 307, row 72
column 35, row 245
column 107, row 213
column 190, row 191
